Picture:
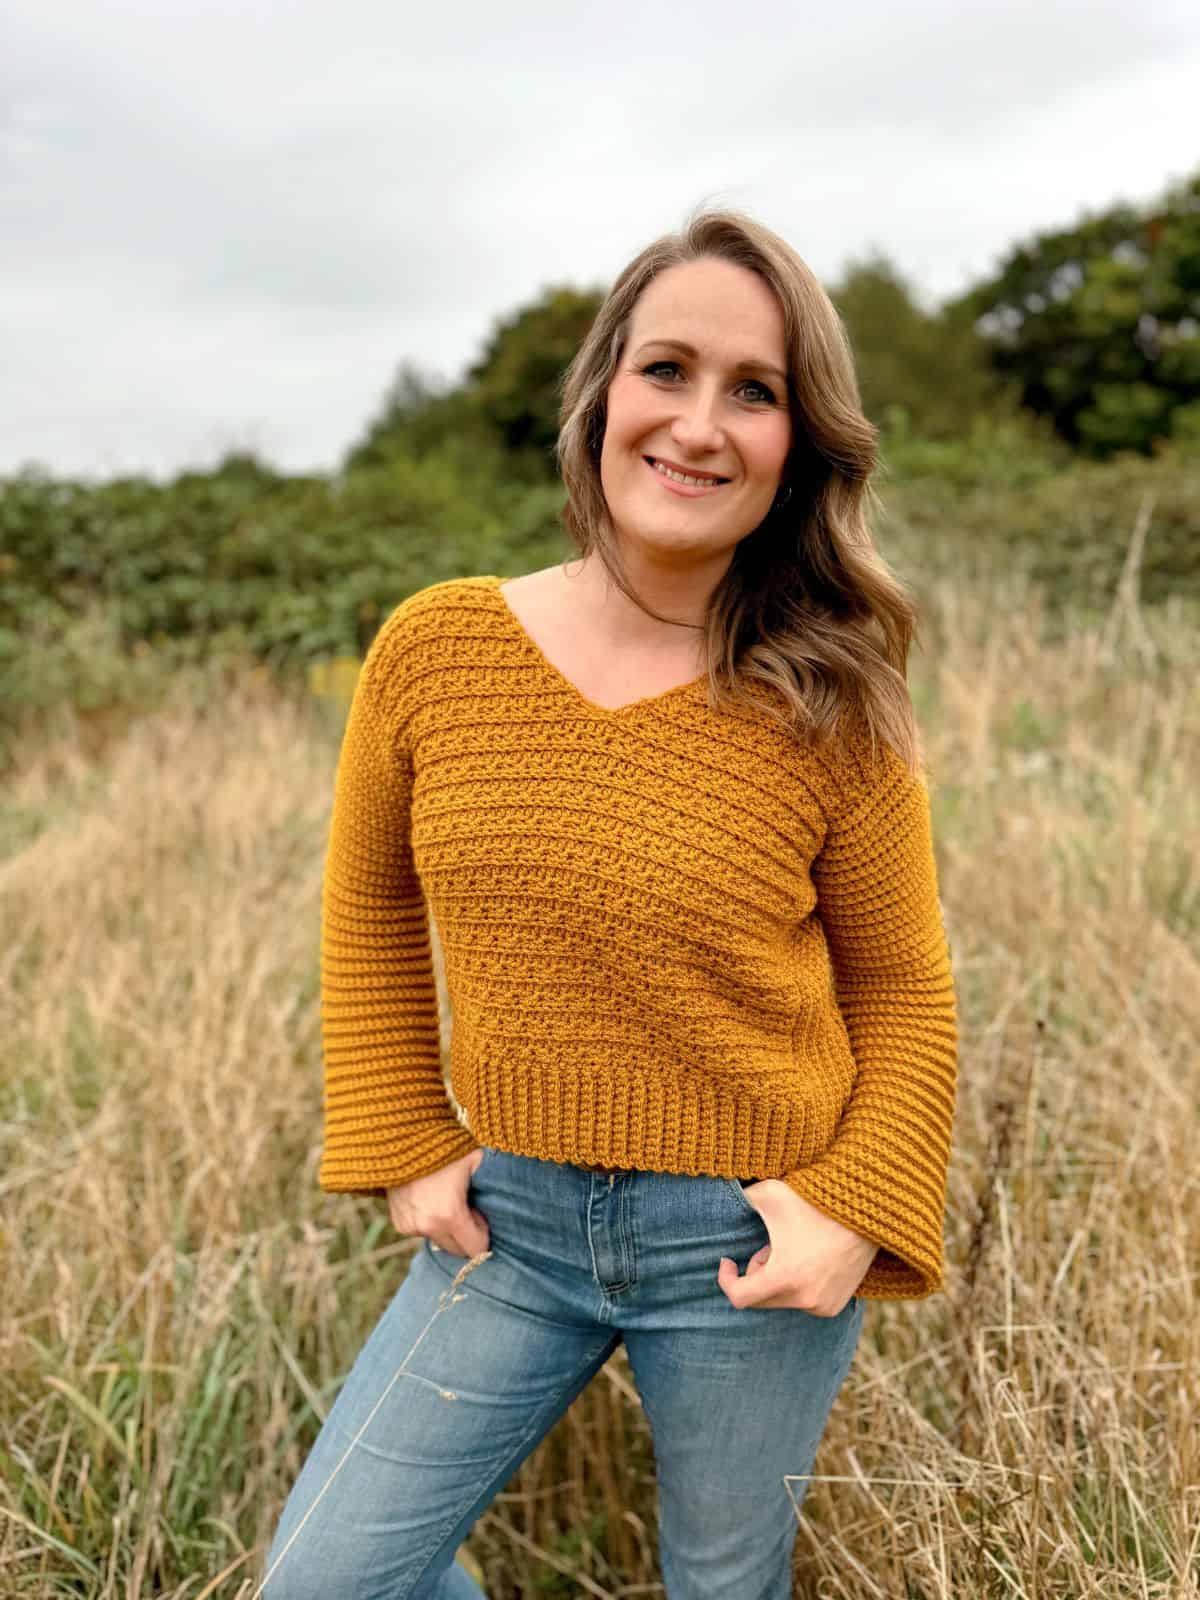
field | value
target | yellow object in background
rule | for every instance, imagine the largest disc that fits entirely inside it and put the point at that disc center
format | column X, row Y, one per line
column 466, row 1560
column 334, row 679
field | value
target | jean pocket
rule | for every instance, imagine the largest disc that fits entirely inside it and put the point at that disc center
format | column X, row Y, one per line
column 479, row 1176
column 734, row 1185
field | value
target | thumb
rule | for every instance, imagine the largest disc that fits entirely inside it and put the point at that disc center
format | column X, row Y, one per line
column 729, row 1280
column 478, row 1233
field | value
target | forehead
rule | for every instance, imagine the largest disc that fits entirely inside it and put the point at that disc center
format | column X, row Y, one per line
column 715, row 302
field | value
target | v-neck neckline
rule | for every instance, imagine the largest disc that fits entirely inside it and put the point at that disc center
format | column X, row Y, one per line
column 550, row 671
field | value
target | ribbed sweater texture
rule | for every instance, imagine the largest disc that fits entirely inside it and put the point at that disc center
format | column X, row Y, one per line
column 673, row 938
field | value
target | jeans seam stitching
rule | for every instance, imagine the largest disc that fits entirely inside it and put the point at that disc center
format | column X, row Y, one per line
column 520, row 1445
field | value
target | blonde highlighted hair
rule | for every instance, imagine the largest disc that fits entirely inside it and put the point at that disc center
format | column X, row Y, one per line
column 808, row 607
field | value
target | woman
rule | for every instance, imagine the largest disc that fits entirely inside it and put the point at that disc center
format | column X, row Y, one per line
column 668, row 813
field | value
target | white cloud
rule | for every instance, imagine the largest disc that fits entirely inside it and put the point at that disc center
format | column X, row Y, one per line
column 227, row 225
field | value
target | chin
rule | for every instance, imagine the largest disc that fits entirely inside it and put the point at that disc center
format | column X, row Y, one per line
column 664, row 542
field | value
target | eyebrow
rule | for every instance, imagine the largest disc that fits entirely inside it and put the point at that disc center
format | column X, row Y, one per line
column 690, row 350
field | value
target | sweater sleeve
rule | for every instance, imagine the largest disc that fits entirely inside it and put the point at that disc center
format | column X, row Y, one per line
column 388, row 1117
column 884, row 1174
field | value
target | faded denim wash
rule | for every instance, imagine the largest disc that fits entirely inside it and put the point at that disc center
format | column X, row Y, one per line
column 735, row 1399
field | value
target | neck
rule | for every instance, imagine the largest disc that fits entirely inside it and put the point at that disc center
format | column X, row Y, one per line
column 681, row 595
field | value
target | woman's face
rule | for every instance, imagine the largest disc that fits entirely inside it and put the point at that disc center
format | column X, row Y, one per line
column 701, row 388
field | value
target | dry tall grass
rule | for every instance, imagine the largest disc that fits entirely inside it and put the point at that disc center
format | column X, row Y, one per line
column 179, row 1301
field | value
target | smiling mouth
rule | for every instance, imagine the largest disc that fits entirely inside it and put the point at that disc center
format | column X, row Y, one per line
column 691, row 480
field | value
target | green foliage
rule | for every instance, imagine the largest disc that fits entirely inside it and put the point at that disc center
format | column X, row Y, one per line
column 107, row 587
column 932, row 366
column 500, row 423
column 105, row 590
column 424, row 421
column 1031, row 421
column 1099, row 324
column 1069, row 528
column 571, row 1548
column 518, row 377
column 1016, row 452
column 305, row 567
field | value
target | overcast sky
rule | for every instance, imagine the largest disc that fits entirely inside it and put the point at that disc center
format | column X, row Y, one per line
column 225, row 224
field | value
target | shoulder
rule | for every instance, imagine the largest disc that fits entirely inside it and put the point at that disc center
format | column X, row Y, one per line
column 420, row 635
column 426, row 609
column 428, row 615
column 862, row 774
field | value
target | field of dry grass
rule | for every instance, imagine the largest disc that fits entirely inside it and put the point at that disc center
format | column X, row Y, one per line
column 179, row 1301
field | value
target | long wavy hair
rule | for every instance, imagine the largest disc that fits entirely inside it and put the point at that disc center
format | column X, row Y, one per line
column 808, row 607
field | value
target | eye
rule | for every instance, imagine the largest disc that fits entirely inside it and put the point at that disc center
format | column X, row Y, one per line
column 767, row 394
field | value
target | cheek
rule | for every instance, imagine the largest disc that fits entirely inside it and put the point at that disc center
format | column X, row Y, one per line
column 771, row 449
column 631, row 411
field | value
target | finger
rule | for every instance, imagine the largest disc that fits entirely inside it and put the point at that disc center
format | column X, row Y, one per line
column 470, row 1238
column 729, row 1280
column 739, row 1291
column 762, row 1289
column 758, row 1259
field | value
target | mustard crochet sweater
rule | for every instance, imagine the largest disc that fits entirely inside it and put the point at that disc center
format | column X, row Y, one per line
column 672, row 938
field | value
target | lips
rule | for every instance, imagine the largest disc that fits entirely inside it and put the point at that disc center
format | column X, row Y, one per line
column 688, row 472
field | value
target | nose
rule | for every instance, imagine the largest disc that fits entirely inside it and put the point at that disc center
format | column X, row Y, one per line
column 695, row 427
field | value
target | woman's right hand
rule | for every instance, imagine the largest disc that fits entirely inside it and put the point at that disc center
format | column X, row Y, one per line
column 435, row 1206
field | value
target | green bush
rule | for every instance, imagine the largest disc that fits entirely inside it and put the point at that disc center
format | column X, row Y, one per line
column 104, row 586
column 1069, row 528
column 302, row 567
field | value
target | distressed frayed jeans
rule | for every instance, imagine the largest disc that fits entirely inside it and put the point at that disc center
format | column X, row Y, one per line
column 736, row 1400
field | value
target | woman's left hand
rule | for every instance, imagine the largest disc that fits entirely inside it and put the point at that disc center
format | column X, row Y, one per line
column 812, row 1262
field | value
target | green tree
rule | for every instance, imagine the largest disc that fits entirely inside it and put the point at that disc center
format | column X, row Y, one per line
column 1099, row 324
column 931, row 365
column 517, row 379
column 425, row 419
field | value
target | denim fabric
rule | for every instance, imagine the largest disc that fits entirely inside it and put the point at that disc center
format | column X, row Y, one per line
column 735, row 1399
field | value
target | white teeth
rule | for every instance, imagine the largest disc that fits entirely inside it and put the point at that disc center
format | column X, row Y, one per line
column 682, row 477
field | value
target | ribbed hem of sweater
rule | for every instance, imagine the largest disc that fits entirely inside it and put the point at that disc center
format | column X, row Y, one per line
column 691, row 1125
column 699, row 1127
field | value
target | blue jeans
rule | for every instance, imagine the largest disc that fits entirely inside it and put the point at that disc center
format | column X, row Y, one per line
column 736, row 1399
